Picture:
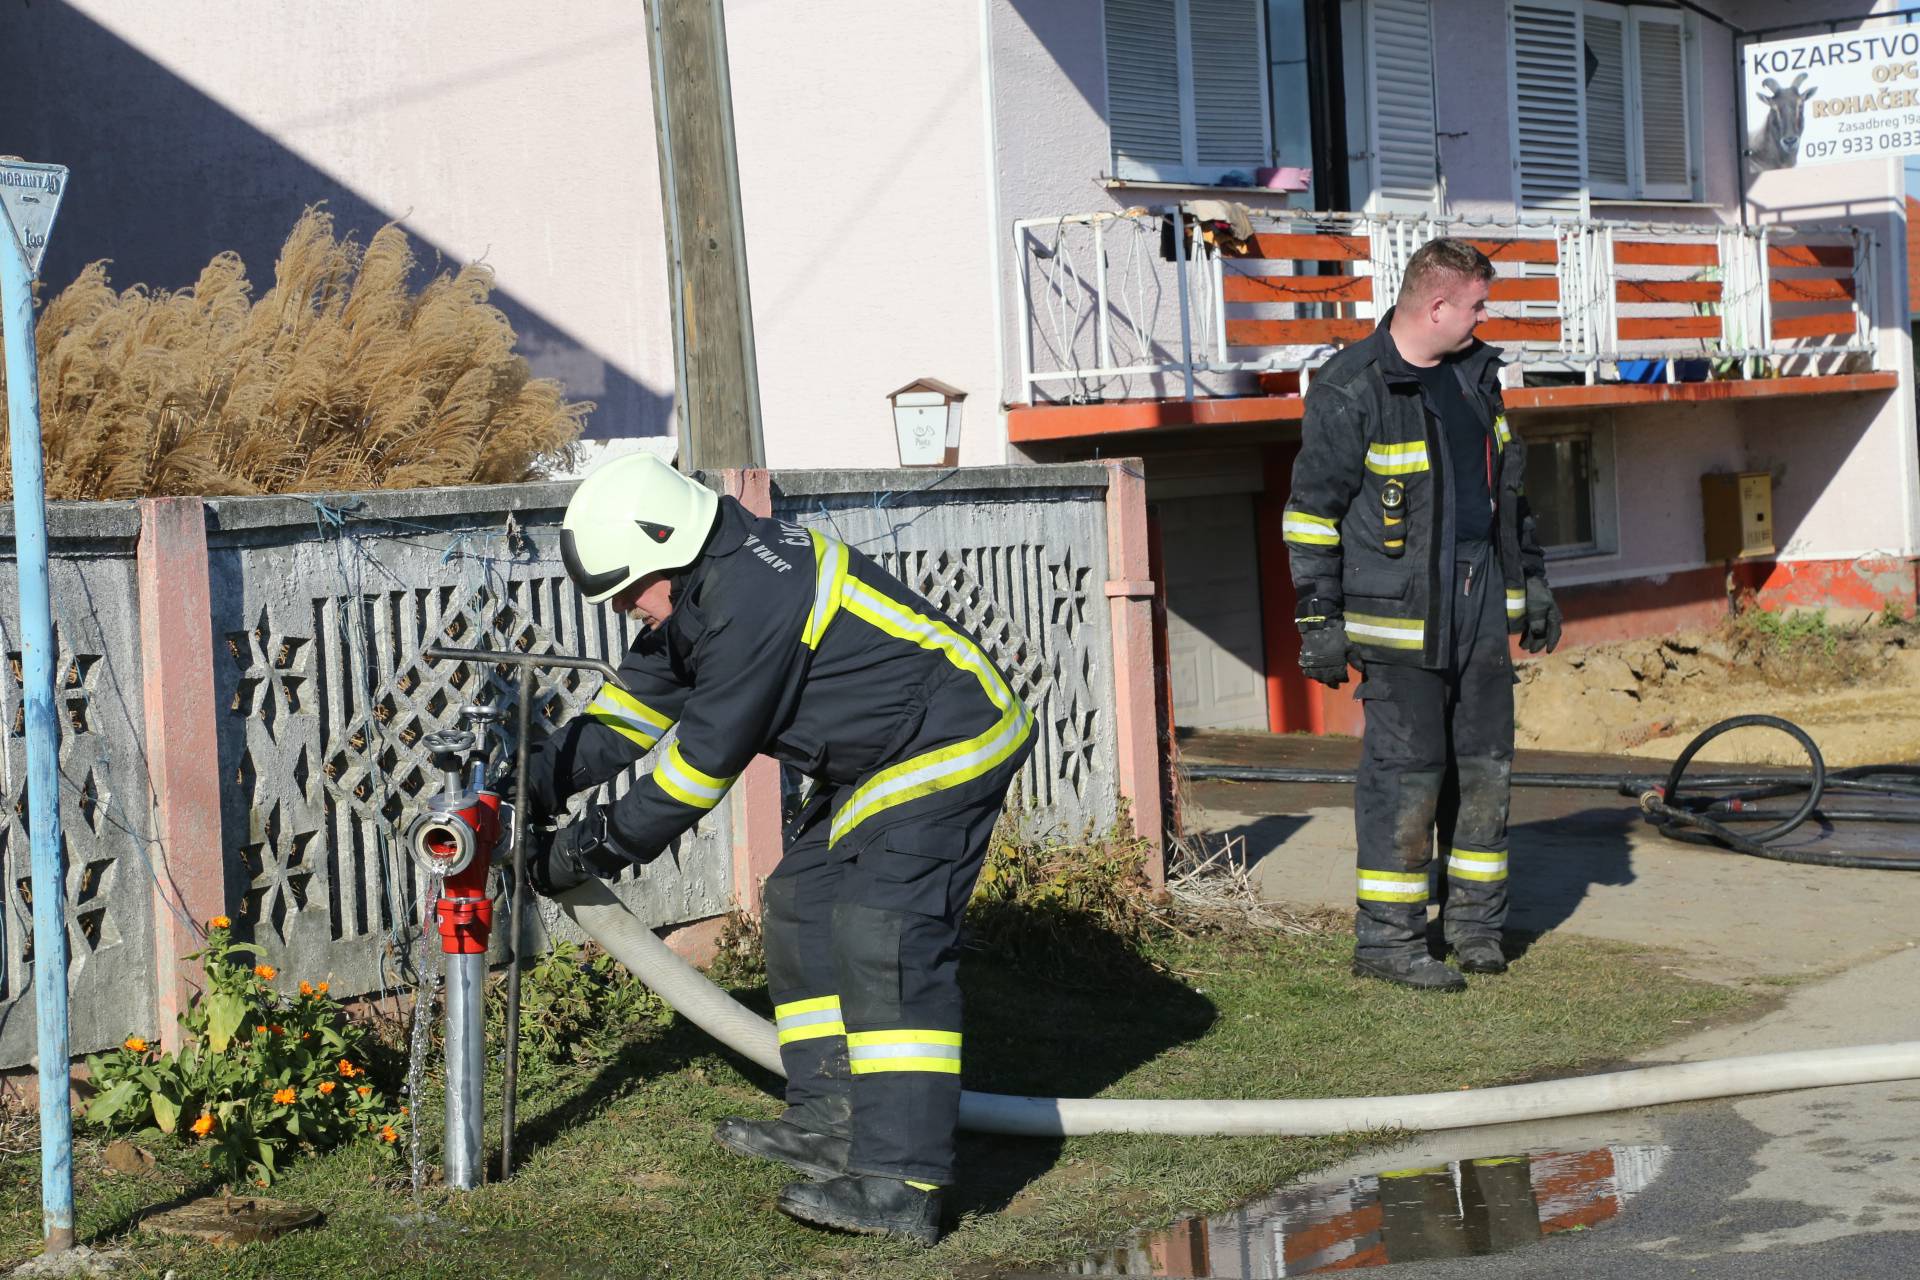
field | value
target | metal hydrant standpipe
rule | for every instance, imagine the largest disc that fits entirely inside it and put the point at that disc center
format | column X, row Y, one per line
column 454, row 842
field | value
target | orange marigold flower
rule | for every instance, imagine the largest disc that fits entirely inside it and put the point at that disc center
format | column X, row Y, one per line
column 404, row 1111
column 219, row 922
column 135, row 1043
column 279, row 1030
column 326, row 1086
column 204, row 1125
column 348, row 1070
column 260, row 1029
column 387, row 1134
column 266, row 971
column 322, row 988
column 284, row 1096
column 306, row 988
column 363, row 1090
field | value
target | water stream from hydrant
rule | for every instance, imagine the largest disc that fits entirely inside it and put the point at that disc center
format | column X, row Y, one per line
column 428, row 971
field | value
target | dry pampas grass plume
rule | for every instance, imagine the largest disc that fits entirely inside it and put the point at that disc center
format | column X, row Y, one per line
column 337, row 378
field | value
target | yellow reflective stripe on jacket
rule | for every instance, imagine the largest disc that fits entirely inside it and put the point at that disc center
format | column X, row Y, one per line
column 1390, row 633
column 1317, row 531
column 809, row 1019
column 1500, row 431
column 687, row 784
column 1392, row 886
column 829, row 582
column 1397, row 459
column 916, row 1050
column 1516, row 602
column 627, row 716
column 1476, row 864
column 949, row 766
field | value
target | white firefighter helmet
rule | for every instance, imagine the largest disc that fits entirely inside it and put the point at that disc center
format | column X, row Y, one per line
column 631, row 517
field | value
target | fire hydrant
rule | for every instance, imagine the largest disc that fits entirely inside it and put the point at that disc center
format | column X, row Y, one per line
column 454, row 841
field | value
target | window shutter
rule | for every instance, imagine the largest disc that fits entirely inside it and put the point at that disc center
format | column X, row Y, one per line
column 1405, row 165
column 1604, row 68
column 1143, row 89
column 1229, row 89
column 1549, row 116
column 1663, row 115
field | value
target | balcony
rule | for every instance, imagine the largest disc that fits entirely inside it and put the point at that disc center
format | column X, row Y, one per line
column 1157, row 318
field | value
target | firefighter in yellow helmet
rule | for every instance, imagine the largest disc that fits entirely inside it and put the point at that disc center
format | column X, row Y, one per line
column 767, row 637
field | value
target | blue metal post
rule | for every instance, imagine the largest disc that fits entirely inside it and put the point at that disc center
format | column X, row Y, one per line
column 43, row 745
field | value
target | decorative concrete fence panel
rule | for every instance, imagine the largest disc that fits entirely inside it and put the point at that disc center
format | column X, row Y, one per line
column 103, row 784
column 323, row 613
column 245, row 693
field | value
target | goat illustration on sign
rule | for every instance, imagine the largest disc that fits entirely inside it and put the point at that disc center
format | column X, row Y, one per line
column 1776, row 143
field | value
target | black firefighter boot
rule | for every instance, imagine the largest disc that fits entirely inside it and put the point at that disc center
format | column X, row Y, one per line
column 818, row 1155
column 1479, row 955
column 870, row 1206
column 1414, row 969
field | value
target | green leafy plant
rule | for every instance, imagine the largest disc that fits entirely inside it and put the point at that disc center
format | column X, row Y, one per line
column 577, row 1005
column 259, row 1075
column 740, row 953
column 1048, row 897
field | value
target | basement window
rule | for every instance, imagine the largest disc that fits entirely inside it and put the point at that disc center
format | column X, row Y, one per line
column 1570, row 488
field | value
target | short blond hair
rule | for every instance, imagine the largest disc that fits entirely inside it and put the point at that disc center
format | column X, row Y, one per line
column 1438, row 263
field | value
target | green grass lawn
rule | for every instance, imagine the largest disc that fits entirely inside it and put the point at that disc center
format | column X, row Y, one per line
column 620, row 1176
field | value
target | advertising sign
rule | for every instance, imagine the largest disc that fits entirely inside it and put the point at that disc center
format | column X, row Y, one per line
column 1828, row 99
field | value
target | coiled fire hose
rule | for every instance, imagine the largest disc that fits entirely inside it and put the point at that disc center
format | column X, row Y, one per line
column 1715, row 802
column 1703, row 820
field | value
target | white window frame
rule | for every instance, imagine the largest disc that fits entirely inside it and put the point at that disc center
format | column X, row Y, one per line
column 1631, row 16
column 1189, row 171
column 1360, row 37
column 1603, row 493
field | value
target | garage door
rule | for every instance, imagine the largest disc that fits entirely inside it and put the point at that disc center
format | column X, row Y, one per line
column 1212, row 569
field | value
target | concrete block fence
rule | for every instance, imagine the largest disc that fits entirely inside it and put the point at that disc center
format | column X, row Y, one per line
column 245, row 692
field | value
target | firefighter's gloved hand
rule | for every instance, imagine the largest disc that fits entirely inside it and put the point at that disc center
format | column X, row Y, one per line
column 576, row 853
column 1543, row 618
column 1323, row 643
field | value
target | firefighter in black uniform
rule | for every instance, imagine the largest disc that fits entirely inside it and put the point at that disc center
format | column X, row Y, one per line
column 765, row 637
column 1414, row 556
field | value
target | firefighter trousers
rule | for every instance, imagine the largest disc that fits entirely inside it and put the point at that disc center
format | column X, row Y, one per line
column 863, row 957
column 1437, row 759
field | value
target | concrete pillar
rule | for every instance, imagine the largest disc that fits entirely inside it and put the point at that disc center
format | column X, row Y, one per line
column 1130, row 598
column 183, row 760
column 757, row 839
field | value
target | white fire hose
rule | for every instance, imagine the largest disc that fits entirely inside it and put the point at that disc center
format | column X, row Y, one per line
column 606, row 919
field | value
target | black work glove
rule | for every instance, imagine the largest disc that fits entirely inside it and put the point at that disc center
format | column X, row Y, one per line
column 569, row 857
column 1543, row 618
column 1323, row 643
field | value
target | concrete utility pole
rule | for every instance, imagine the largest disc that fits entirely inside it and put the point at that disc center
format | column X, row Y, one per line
column 718, row 405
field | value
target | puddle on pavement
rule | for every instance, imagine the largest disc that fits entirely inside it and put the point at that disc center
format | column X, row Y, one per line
column 1454, row 1210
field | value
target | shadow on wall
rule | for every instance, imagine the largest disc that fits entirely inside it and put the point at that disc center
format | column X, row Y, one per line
column 167, row 177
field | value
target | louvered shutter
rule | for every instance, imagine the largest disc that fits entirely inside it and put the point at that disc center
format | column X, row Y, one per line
column 1229, row 90
column 1405, row 168
column 1144, row 89
column 1604, row 69
column 1549, row 117
column 1663, row 114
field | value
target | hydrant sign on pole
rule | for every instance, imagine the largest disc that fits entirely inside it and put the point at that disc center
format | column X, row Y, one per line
column 1828, row 99
column 30, row 196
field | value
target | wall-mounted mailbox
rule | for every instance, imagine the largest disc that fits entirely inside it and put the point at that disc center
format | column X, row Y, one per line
column 1737, row 511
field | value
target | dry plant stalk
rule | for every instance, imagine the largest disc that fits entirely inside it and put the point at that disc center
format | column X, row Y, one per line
column 338, row 378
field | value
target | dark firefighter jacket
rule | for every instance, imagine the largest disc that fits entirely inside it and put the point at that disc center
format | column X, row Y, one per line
column 785, row 642
column 1367, row 423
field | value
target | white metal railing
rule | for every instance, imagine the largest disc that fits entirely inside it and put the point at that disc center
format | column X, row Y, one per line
column 1107, row 298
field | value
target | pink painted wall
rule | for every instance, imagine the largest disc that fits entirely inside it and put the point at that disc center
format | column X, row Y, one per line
column 860, row 126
